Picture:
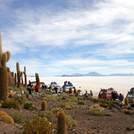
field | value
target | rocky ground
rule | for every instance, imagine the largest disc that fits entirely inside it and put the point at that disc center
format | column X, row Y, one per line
column 114, row 122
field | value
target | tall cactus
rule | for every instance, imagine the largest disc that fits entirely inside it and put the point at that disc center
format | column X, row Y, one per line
column 61, row 123
column 25, row 75
column 15, row 79
column 37, row 79
column 18, row 74
column 21, row 76
column 4, row 57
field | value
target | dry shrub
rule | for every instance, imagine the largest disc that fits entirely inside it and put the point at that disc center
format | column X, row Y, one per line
column 81, row 102
column 95, row 106
column 7, row 119
column 125, row 110
column 38, row 125
column 68, row 107
column 96, row 110
column 2, row 113
column 21, row 99
column 47, row 114
column 10, row 95
column 28, row 106
column 17, row 116
column 126, row 101
column 11, row 104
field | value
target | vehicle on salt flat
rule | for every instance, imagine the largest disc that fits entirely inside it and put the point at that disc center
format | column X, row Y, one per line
column 42, row 84
column 130, row 96
column 67, row 86
column 107, row 94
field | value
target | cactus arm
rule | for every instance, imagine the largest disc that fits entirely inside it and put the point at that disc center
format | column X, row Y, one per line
column 8, row 55
column 3, row 59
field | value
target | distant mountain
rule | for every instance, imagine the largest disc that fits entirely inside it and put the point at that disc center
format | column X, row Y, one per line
column 121, row 74
column 95, row 74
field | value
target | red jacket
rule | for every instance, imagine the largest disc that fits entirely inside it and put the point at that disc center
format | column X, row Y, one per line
column 36, row 87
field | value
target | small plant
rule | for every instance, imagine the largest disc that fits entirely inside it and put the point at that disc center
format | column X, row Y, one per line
column 56, row 110
column 47, row 114
column 125, row 110
column 43, row 105
column 71, row 121
column 68, row 107
column 28, row 106
column 38, row 125
column 10, row 95
column 49, row 98
column 73, row 98
column 10, row 88
column 96, row 110
column 61, row 123
column 49, row 93
column 11, row 104
column 81, row 102
column 126, row 101
column 71, row 104
column 21, row 99
column 17, row 116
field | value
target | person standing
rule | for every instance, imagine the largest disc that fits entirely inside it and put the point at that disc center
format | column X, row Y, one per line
column 36, row 88
column 121, row 98
column 29, row 87
column 91, row 93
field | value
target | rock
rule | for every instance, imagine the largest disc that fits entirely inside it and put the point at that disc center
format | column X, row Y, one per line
column 131, row 132
column 128, row 112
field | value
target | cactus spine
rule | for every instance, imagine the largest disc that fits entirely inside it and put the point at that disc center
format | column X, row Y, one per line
column 25, row 75
column 37, row 79
column 4, row 57
column 126, row 101
column 18, row 74
column 44, row 105
column 61, row 123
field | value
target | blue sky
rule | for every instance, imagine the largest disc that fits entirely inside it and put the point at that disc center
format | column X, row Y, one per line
column 53, row 37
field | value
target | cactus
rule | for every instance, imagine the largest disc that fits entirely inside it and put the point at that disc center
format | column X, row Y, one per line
column 12, row 73
column 43, row 105
column 15, row 79
column 21, row 76
column 126, row 101
column 4, row 57
column 37, row 79
column 61, row 123
column 18, row 74
column 25, row 75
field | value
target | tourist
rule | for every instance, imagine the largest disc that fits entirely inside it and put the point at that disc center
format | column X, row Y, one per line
column 91, row 93
column 36, row 88
column 70, row 90
column 86, row 94
column 121, row 98
column 113, row 95
column 29, row 87
column 74, row 90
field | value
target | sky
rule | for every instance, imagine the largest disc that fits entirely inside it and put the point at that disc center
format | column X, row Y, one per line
column 56, row 37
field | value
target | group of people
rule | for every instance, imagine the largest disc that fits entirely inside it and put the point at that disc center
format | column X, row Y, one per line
column 115, row 95
column 30, row 86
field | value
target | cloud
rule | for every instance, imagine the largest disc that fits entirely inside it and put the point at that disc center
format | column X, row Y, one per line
column 103, row 28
